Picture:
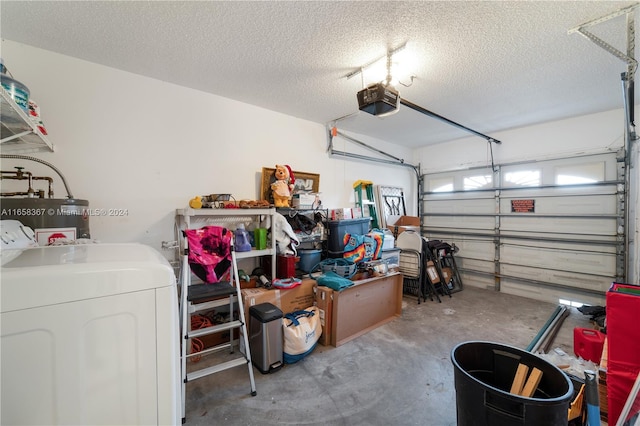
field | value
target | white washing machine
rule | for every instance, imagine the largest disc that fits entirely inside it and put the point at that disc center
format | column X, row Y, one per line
column 89, row 335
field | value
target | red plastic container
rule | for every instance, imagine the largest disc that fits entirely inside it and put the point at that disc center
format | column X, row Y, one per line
column 286, row 266
column 623, row 345
column 588, row 344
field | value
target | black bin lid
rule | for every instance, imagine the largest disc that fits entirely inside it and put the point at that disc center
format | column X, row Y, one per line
column 265, row 312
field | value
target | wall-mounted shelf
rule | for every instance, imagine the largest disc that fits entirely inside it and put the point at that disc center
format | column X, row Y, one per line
column 18, row 134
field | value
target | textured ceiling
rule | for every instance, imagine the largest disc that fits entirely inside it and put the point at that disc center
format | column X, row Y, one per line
column 490, row 66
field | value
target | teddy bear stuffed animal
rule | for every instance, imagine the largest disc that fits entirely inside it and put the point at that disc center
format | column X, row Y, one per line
column 283, row 186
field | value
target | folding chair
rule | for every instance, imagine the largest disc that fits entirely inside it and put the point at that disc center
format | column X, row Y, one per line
column 412, row 265
column 442, row 254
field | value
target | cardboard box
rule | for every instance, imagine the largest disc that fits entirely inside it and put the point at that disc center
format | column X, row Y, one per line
column 46, row 236
column 399, row 224
column 303, row 200
column 433, row 273
column 215, row 339
column 602, row 394
column 289, row 300
column 447, row 273
column 324, row 302
column 253, row 283
column 366, row 305
column 340, row 214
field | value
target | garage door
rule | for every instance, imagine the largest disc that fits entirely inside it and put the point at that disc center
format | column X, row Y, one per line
column 549, row 230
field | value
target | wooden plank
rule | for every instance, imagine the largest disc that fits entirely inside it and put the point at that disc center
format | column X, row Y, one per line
column 532, row 383
column 518, row 380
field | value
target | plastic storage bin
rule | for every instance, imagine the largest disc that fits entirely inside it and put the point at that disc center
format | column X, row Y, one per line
column 391, row 256
column 483, row 374
column 286, row 266
column 343, row 267
column 338, row 229
column 335, row 254
column 308, row 259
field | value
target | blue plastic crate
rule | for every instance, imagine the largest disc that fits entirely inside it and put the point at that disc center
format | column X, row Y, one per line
column 338, row 229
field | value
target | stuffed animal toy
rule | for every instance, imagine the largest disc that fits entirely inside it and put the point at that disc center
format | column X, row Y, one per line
column 283, row 186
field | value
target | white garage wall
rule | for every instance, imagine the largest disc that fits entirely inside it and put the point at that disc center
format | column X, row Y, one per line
column 131, row 142
column 575, row 136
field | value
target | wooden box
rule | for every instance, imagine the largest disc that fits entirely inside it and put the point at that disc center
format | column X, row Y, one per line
column 324, row 302
column 368, row 304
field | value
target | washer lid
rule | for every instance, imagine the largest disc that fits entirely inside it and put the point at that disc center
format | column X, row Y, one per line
column 58, row 274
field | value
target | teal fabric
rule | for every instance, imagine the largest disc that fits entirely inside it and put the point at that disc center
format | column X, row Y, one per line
column 333, row 281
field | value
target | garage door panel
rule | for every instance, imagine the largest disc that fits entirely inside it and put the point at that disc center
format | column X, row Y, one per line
column 559, row 204
column 460, row 206
column 566, row 246
column 540, row 237
column 468, row 248
column 531, row 291
column 559, row 225
column 476, row 249
column 549, row 294
column 574, row 261
column 470, row 195
column 562, row 278
column 475, row 264
column 565, row 191
column 568, row 237
column 475, row 280
column 459, row 222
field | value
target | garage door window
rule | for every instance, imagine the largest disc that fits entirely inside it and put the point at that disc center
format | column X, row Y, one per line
column 580, row 174
column 441, row 185
column 522, row 178
column 477, row 182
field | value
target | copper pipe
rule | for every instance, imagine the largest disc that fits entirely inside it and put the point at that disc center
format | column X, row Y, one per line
column 51, row 166
column 50, row 180
column 20, row 175
column 13, row 194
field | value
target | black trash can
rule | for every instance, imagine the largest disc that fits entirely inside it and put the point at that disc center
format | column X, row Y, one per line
column 484, row 372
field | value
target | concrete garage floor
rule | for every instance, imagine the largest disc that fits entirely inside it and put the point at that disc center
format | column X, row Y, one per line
column 398, row 374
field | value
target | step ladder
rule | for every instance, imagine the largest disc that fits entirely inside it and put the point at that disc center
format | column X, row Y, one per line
column 196, row 298
column 369, row 201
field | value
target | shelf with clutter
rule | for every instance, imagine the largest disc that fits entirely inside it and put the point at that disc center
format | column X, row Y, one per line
column 21, row 129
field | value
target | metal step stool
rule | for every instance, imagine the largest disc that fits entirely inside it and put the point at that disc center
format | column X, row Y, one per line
column 200, row 297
